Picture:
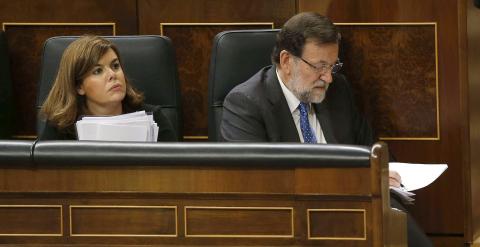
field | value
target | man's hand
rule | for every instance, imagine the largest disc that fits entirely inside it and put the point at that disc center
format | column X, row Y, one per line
column 394, row 179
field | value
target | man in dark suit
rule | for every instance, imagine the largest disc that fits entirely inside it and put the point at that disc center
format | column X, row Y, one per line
column 302, row 98
column 257, row 110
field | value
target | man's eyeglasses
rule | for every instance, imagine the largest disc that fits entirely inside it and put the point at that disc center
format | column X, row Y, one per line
column 324, row 67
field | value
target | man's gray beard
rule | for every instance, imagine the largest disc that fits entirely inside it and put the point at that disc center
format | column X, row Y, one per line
column 302, row 94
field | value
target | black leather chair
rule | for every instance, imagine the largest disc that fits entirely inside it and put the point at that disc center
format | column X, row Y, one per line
column 149, row 63
column 6, row 92
column 236, row 56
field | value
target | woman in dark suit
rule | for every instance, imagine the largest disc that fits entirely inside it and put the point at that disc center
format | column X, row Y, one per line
column 90, row 81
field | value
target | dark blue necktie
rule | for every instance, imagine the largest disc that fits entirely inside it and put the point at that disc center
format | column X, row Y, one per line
column 307, row 132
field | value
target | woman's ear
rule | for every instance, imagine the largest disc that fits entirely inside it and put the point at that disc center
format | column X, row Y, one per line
column 80, row 90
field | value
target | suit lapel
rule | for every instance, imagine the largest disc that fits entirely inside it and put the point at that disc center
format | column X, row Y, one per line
column 279, row 108
column 323, row 116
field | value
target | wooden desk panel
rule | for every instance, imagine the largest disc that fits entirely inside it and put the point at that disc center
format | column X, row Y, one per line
column 215, row 205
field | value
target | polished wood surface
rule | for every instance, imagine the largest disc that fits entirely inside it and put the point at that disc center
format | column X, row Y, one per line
column 121, row 12
column 193, row 48
column 392, row 68
column 151, row 179
column 25, row 43
column 198, row 204
column 155, row 221
column 439, row 208
column 154, row 12
column 472, row 216
column 135, row 17
column 354, row 219
column 273, row 222
column 193, row 42
column 445, row 208
column 31, row 220
column 448, row 241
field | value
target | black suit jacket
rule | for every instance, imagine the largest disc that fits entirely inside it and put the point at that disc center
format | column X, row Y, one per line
column 257, row 111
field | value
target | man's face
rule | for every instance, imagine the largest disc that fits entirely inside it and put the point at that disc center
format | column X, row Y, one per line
column 309, row 79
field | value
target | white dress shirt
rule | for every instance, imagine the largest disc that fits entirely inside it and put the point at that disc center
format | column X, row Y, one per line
column 293, row 103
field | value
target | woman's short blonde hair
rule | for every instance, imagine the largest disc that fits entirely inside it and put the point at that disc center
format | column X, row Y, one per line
column 63, row 104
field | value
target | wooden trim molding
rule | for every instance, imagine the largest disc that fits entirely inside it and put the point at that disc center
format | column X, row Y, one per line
column 72, row 220
column 233, row 209
column 5, row 24
column 60, row 219
column 309, row 224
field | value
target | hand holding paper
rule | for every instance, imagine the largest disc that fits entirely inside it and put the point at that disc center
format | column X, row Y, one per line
column 417, row 176
column 414, row 177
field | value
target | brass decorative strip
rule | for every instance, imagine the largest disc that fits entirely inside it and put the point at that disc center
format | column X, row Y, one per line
column 37, row 234
column 25, row 137
column 309, row 237
column 384, row 23
column 436, row 138
column 195, row 138
column 216, row 24
column 122, row 235
column 186, row 208
column 5, row 24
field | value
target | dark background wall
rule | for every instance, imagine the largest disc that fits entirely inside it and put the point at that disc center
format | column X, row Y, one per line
column 411, row 66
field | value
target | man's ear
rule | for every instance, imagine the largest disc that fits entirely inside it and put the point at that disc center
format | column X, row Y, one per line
column 285, row 61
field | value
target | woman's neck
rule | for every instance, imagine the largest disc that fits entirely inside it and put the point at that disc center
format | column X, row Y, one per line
column 105, row 110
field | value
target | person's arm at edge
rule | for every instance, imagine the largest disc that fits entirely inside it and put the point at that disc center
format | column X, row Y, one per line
column 241, row 120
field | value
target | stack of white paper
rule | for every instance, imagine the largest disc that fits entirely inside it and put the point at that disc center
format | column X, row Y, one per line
column 137, row 126
column 414, row 177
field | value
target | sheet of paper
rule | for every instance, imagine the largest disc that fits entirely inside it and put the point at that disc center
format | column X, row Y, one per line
column 136, row 126
column 115, row 132
column 118, row 117
column 86, row 131
column 417, row 176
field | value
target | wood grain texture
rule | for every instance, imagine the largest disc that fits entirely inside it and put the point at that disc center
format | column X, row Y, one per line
column 439, row 241
column 122, row 12
column 259, row 222
column 458, row 111
column 311, row 180
column 239, row 221
column 193, row 44
column 338, row 224
column 439, row 208
column 30, row 220
column 153, row 12
column 473, row 177
column 150, row 179
column 190, row 180
column 393, row 72
column 117, row 220
column 253, row 205
column 25, row 46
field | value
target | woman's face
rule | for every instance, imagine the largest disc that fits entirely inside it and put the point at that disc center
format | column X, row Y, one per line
column 104, row 86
